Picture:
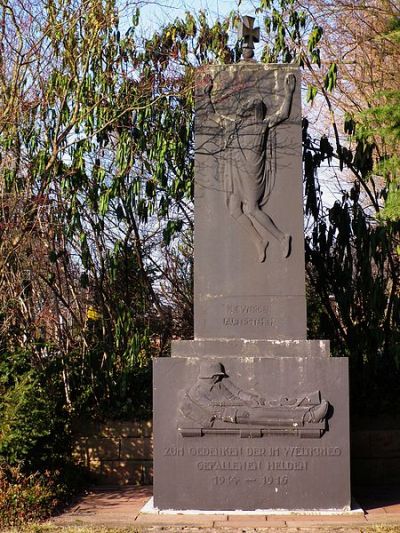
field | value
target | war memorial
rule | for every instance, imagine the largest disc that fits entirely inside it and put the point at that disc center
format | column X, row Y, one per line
column 250, row 414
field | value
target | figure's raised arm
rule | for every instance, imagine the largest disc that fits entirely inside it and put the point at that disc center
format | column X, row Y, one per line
column 284, row 111
column 210, row 109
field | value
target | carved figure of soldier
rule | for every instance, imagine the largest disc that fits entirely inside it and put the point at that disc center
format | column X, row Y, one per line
column 245, row 175
column 215, row 397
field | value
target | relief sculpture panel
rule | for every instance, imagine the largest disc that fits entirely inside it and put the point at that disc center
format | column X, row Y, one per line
column 248, row 173
column 215, row 404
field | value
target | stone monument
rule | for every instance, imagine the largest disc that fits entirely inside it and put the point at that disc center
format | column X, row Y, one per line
column 250, row 414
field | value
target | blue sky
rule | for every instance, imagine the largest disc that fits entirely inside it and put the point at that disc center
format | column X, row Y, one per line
column 156, row 13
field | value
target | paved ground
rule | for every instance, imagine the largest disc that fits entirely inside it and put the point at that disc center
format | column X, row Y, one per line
column 121, row 507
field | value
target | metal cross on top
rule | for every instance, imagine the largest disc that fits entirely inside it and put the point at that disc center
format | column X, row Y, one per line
column 249, row 35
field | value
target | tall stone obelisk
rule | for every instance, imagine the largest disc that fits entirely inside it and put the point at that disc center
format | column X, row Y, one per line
column 250, row 415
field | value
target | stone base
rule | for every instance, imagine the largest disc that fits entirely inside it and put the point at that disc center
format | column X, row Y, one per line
column 355, row 511
column 250, row 348
column 278, row 458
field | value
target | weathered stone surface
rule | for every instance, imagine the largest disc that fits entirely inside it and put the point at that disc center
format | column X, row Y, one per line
column 250, row 348
column 236, row 295
column 230, row 470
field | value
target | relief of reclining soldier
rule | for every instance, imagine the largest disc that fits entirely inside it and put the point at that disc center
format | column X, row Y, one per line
column 214, row 401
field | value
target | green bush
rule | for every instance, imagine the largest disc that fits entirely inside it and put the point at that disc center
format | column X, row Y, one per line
column 33, row 431
column 36, row 472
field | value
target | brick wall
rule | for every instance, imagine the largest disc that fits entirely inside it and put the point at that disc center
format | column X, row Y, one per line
column 116, row 453
column 121, row 453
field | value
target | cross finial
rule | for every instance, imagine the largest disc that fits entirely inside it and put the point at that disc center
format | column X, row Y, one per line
column 250, row 35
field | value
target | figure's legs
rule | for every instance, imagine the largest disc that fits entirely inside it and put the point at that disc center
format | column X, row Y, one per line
column 253, row 210
column 270, row 416
column 235, row 209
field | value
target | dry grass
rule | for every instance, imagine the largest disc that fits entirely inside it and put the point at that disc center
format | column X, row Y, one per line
column 51, row 528
column 48, row 528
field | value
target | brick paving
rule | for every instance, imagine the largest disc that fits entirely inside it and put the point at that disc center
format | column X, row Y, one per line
column 121, row 507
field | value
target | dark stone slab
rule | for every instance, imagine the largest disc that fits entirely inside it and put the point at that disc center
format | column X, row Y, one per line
column 283, row 456
column 248, row 182
column 250, row 348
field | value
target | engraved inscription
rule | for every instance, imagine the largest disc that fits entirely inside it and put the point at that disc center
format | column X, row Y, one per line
column 312, row 451
column 255, row 315
column 279, row 480
column 261, row 466
column 173, row 451
column 230, row 451
column 255, row 322
column 287, row 465
column 266, row 481
column 243, row 309
column 285, row 453
column 262, row 451
column 222, row 451
column 225, row 480
column 229, row 465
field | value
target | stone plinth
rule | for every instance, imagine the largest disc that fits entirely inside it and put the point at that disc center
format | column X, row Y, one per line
column 250, row 348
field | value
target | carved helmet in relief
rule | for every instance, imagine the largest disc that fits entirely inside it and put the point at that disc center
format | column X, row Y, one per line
column 210, row 370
